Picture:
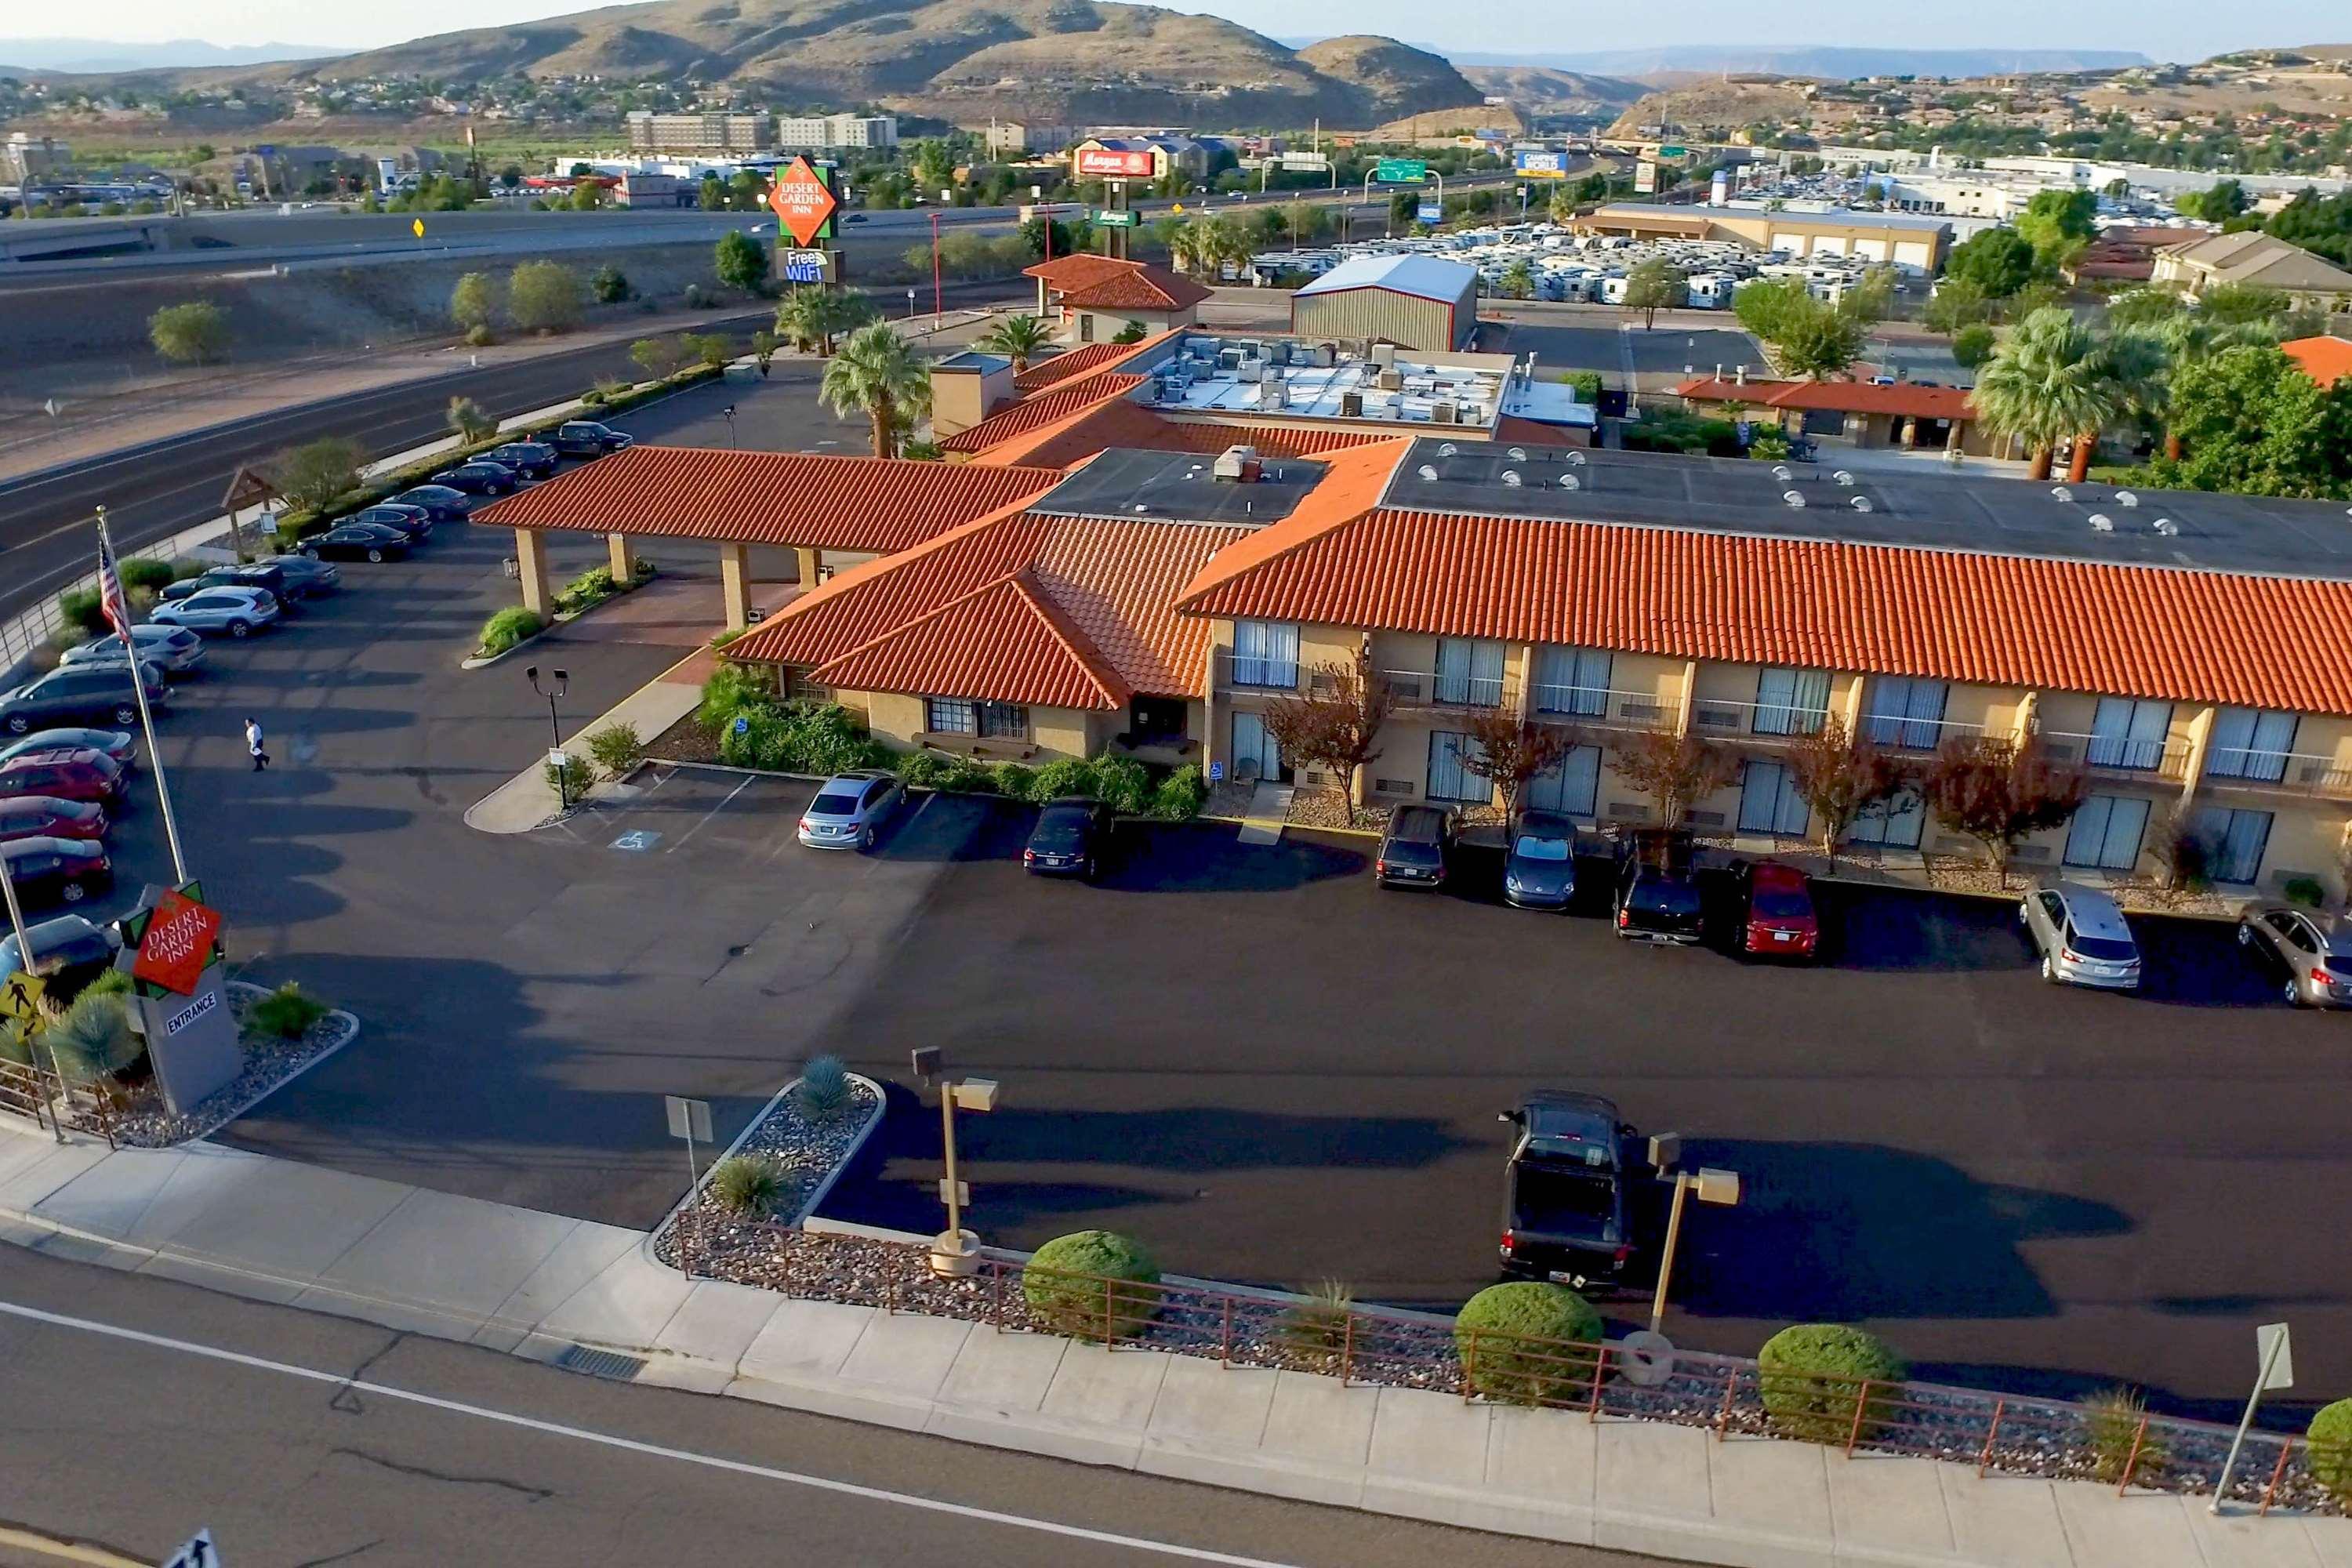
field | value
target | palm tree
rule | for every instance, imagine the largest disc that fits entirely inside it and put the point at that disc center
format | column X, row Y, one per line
column 467, row 418
column 2049, row 383
column 1190, row 246
column 800, row 318
column 876, row 375
column 1019, row 338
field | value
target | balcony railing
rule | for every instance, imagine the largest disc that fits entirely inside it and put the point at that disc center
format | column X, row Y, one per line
column 1427, row 689
column 1917, row 734
column 1596, row 708
column 1769, row 721
column 2281, row 773
column 2118, row 755
column 1258, row 672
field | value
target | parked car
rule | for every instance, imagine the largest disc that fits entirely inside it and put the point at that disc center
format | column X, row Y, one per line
column 232, row 612
column 63, row 776
column 413, row 521
column 850, row 810
column 47, row 817
column 357, row 542
column 1658, row 895
column 587, row 438
column 1776, row 904
column 263, row 575
column 477, row 477
column 75, row 692
column 2082, row 936
column 56, row 870
column 62, row 942
column 1539, row 872
column 1414, row 851
column 121, row 748
column 2313, row 950
column 531, row 460
column 306, row 578
column 1069, row 839
column 177, row 649
column 1566, row 1213
column 442, row 503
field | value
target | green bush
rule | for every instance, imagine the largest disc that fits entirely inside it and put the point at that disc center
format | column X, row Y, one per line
column 1123, row 785
column 732, row 690
column 1065, row 1291
column 1180, row 795
column 93, row 1039
column 2330, row 1436
column 1587, row 384
column 110, row 982
column 570, row 782
column 1064, row 775
column 510, row 626
column 746, row 1185
column 1810, row 1375
column 1518, row 1342
column 616, row 749
column 81, row 608
column 288, row 1012
column 592, row 586
column 2308, row 892
column 186, row 567
column 798, row 738
column 2117, row 1440
column 824, row 1090
column 480, row 336
column 922, row 768
column 144, row 571
column 1016, row 781
column 966, row 775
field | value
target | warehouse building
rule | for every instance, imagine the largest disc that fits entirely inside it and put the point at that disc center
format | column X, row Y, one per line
column 1911, row 241
column 1413, row 302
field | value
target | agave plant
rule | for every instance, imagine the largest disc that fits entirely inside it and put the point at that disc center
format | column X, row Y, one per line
column 93, row 1039
column 824, row 1090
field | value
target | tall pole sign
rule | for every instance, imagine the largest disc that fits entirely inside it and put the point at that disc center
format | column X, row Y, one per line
column 803, row 202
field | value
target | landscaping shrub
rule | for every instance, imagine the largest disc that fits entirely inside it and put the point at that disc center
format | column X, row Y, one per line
column 967, row 776
column 1496, row 1332
column 2308, row 892
column 509, row 627
column 1064, row 1286
column 186, row 567
column 93, row 1039
column 1810, row 1375
column 1317, row 1329
column 1123, row 785
column 592, row 586
column 920, row 767
column 2114, row 1426
column 746, row 1185
column 110, row 982
column 1180, row 795
column 568, row 784
column 2330, row 1436
column 1016, row 781
column 730, row 689
column 144, row 571
column 616, row 749
column 81, row 608
column 797, row 738
column 1064, row 775
column 288, row 1012
column 480, row 336
column 823, row 1092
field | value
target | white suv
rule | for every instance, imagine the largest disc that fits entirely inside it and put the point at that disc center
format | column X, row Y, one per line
column 235, row 611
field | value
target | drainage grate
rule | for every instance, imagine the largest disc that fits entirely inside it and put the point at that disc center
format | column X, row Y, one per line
column 600, row 1363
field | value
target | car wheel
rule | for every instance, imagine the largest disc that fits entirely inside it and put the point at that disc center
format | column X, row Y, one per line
column 309, row 555
column 376, row 556
column 2022, row 916
column 2050, row 969
column 2293, row 994
column 126, row 714
column 239, row 629
column 18, row 726
column 2245, row 934
column 72, row 892
column 866, row 839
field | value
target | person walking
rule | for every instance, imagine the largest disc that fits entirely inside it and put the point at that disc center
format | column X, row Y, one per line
column 253, row 744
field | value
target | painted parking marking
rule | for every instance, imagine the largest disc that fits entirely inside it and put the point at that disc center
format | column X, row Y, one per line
column 640, row 840
column 705, row 820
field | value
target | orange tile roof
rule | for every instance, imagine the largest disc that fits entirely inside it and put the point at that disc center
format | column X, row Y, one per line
column 1078, row 271
column 2066, row 625
column 1907, row 398
column 1146, row 288
column 878, row 504
column 1044, row 372
column 1045, row 408
column 1005, row 642
column 2327, row 360
column 1116, row 421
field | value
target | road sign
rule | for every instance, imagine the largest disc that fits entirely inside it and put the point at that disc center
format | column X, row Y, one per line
column 1428, row 212
column 20, row 997
column 2274, row 1354
column 803, row 201
column 177, row 944
column 1115, row 217
column 199, row 1552
column 416, row 228
column 52, row 407
column 1306, row 161
column 962, row 1198
column 688, row 1119
column 1400, row 172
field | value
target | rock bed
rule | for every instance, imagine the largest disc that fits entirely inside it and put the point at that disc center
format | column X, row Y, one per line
column 687, row 740
column 806, row 1151
column 269, row 1061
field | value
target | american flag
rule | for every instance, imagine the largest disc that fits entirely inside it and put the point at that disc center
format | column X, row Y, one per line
column 110, row 593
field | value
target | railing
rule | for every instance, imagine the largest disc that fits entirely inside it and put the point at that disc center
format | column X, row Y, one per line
column 1917, row 734
column 1262, row 673
column 1425, row 688
column 51, row 1101
column 1772, row 720
column 2117, row 754
column 1597, row 709
column 2283, row 773
column 24, row 634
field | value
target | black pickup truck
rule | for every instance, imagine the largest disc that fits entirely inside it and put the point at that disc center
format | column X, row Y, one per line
column 1566, row 1212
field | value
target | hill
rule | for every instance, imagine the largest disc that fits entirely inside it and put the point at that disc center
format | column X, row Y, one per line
column 1712, row 105
column 93, row 55
column 1811, row 61
column 1544, row 90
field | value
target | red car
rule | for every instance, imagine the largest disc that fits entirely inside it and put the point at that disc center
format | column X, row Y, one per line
column 46, row 817
column 81, row 774
column 1779, row 920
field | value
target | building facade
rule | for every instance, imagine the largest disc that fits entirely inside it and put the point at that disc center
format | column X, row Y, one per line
column 831, row 132
column 716, row 132
column 23, row 157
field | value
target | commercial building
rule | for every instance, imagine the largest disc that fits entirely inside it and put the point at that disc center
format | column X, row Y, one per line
column 1413, row 302
column 25, row 157
column 1011, row 138
column 2253, row 258
column 637, row 189
column 831, row 132
column 1912, row 241
column 716, row 132
column 1858, row 412
column 1141, row 157
column 1096, row 298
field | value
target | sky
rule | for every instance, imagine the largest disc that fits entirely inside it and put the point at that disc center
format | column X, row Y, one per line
column 2165, row 30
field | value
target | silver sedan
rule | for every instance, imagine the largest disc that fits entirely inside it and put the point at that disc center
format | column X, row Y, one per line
column 849, row 811
column 2313, row 949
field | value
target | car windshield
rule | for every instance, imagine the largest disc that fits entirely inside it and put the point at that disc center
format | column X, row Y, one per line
column 2101, row 947
column 1781, row 904
column 832, row 804
column 1405, row 851
column 1533, row 848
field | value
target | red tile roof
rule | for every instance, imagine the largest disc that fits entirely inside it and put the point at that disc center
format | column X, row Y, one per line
column 2326, row 360
column 876, row 504
column 1005, row 641
column 1045, row 408
column 1119, row 423
column 1906, row 398
column 2001, row 620
column 1107, row 283
column 1050, row 372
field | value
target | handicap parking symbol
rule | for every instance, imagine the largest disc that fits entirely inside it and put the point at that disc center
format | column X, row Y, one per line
column 639, row 840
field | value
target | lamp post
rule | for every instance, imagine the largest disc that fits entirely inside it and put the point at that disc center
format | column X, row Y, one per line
column 955, row 1250
column 728, row 412
column 558, row 681
column 1712, row 1186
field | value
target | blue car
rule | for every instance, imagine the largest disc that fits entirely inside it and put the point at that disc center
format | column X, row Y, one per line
column 439, row 503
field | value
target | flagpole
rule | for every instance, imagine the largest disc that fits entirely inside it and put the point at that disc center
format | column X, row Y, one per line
column 146, row 719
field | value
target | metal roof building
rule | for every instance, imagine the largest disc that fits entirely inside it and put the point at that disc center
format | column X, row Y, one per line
column 1414, row 302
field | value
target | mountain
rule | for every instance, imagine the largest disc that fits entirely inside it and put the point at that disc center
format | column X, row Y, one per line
column 1807, row 60
column 97, row 56
column 1070, row 61
column 1544, row 89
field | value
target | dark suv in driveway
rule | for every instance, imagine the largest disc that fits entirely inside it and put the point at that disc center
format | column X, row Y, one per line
column 1657, row 896
column 80, row 693
column 1414, row 850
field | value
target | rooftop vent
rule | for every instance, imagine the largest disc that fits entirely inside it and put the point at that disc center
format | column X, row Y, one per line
column 2060, row 492
column 1576, row 459
column 1428, row 472
column 1517, row 454
column 1239, row 465
column 1860, row 503
column 2167, row 527
column 2102, row 523
column 1782, row 472
column 1511, row 477
column 1794, row 498
column 1571, row 482
column 2125, row 497
column 1844, row 478
column 1447, row 448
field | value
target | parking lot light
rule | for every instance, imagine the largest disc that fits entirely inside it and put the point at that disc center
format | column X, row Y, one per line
column 560, row 679
column 1712, row 1184
column 954, row 1251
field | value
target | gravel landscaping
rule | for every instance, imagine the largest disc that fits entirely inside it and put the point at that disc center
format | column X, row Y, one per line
column 805, row 1152
column 270, row 1060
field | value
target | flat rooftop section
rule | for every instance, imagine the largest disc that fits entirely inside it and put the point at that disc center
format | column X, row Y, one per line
column 1936, row 511
column 1416, row 273
column 1181, row 487
column 1212, row 374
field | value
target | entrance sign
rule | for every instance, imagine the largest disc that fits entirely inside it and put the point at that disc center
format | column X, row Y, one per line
column 177, row 944
column 803, row 201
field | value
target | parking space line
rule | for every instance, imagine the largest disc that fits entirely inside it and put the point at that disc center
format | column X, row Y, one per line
column 707, row 816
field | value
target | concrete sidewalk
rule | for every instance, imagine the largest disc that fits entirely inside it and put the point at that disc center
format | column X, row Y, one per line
column 546, row 1287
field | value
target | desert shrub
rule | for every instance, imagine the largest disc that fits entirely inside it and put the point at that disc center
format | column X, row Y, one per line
column 824, row 1090
column 2330, row 1436
column 746, row 1185
column 1064, row 775
column 592, row 586
column 1123, row 785
column 110, row 982
column 509, row 626
column 616, row 749
column 568, row 784
column 609, row 285
column 2308, row 892
column 1016, row 781
column 1317, row 1327
column 288, row 1012
column 93, row 1039
column 2114, row 1421
column 1066, row 1292
column 1517, row 1342
column 1180, row 795
column 186, row 567
column 920, row 767
column 81, row 608
column 966, row 775
column 480, row 336
column 798, row 738
column 731, row 690
column 1809, row 1377
column 144, row 571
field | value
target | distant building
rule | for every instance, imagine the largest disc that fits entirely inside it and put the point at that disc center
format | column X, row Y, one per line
column 1096, row 298
column 27, row 157
column 1915, row 243
column 2253, row 258
column 646, row 190
column 1006, row 138
column 651, row 133
column 1414, row 302
column 828, row 133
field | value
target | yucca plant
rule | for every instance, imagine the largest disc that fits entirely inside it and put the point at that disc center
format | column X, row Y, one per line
column 1317, row 1327
column 93, row 1039
column 747, row 1185
column 824, row 1090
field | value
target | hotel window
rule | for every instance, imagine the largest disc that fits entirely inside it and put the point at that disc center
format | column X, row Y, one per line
column 990, row 720
column 2234, row 842
column 2107, row 833
column 1266, row 653
column 1570, row 786
column 1448, row 779
column 1792, row 701
column 1470, row 672
column 2250, row 744
column 2127, row 733
column 1572, row 680
column 1896, row 826
column 1906, row 712
column 952, row 716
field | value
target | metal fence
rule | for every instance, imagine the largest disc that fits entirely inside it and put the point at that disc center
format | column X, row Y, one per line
column 25, row 635
column 52, row 1102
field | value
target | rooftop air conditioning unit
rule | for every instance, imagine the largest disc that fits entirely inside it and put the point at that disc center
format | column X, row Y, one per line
column 1351, row 406
column 1279, row 353
column 1385, row 355
column 1391, row 380
column 1441, row 413
column 1239, row 465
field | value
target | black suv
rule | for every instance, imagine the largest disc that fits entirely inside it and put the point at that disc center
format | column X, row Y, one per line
column 253, row 574
column 1566, row 1213
column 1657, row 896
column 586, row 438
column 1415, row 848
column 531, row 460
column 1068, row 839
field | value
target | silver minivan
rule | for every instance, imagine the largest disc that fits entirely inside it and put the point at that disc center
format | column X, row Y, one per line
column 2082, row 935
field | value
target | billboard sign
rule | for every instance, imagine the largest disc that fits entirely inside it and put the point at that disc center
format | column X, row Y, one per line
column 1315, row 160
column 802, row 266
column 1544, row 166
column 1400, row 172
column 1115, row 217
column 1118, row 163
column 176, row 945
column 1430, row 213
column 803, row 201
column 1645, row 177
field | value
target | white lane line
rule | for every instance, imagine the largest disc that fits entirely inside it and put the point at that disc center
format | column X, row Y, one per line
column 707, row 816
column 631, row 1445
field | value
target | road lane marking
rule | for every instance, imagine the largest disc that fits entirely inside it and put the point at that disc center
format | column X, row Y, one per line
column 707, row 816
column 632, row 1446
column 65, row 1551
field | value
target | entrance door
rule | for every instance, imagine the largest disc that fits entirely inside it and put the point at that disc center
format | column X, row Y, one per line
column 1255, row 756
column 1768, row 801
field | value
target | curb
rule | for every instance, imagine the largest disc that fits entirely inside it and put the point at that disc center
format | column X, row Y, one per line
column 349, row 1018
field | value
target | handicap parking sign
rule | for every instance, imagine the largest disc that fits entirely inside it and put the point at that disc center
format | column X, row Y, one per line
column 640, row 840
column 742, row 725
column 1216, row 772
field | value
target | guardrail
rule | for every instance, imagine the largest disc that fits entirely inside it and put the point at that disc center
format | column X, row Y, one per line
column 23, row 635
column 2118, row 754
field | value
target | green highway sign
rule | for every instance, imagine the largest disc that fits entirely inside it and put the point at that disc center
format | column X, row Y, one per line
column 1401, row 171
column 1115, row 217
